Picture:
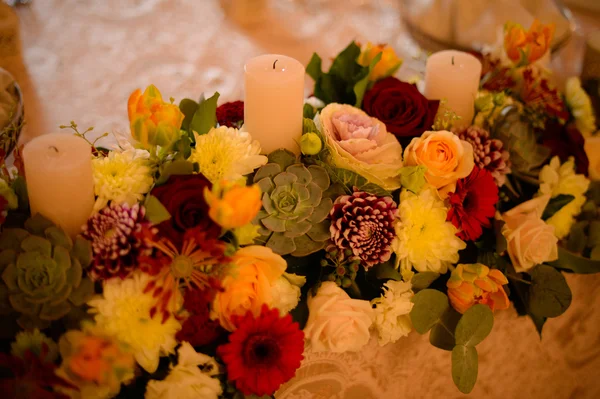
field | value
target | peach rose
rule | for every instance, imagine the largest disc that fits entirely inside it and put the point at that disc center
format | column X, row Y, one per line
column 446, row 157
column 530, row 240
column 248, row 286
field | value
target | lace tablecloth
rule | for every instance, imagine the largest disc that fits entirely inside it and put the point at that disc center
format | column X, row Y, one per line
column 84, row 57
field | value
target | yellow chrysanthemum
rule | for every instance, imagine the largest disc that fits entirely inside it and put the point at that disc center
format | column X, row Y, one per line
column 424, row 239
column 124, row 311
column 559, row 179
column 581, row 107
column 226, row 154
column 123, row 177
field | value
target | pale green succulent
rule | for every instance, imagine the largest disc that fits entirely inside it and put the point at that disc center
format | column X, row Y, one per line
column 42, row 273
column 293, row 218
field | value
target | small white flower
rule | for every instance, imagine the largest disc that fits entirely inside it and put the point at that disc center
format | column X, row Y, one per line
column 392, row 311
column 226, row 153
column 285, row 292
column 191, row 378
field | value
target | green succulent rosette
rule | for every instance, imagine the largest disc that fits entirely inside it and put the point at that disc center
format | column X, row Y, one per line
column 42, row 273
column 295, row 205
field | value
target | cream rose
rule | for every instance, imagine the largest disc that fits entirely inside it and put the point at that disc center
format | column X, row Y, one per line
column 530, row 240
column 592, row 150
column 362, row 144
column 336, row 322
column 249, row 285
column 446, row 157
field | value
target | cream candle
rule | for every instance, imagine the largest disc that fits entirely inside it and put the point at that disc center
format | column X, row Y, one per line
column 273, row 101
column 60, row 185
column 454, row 76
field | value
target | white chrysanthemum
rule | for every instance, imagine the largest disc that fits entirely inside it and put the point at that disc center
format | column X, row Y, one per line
column 581, row 107
column 191, row 378
column 424, row 239
column 226, row 153
column 392, row 311
column 122, row 177
column 123, row 310
column 556, row 179
column 285, row 292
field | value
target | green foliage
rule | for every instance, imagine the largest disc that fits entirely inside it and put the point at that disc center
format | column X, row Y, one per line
column 475, row 324
column 442, row 334
column 155, row 211
column 42, row 272
column 386, row 271
column 294, row 215
column 556, row 205
column 350, row 180
column 344, row 82
column 422, row 280
column 413, row 177
column 549, row 295
column 464, row 367
column 178, row 167
column 429, row 306
column 205, row 117
column 308, row 111
column 361, row 86
column 188, row 108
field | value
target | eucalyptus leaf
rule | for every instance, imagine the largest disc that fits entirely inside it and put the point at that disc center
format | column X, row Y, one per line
column 549, row 295
column 188, row 107
column 575, row 263
column 422, row 280
column 429, row 306
column 442, row 334
column 361, row 86
column 475, row 324
column 155, row 211
column 205, row 117
column 177, row 167
column 386, row 271
column 594, row 234
column 464, row 367
column 577, row 238
column 556, row 205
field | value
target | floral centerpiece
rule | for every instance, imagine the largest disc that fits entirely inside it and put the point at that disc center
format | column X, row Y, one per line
column 207, row 268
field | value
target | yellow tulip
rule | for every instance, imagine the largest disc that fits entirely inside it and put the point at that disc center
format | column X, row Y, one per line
column 387, row 65
column 153, row 122
column 526, row 47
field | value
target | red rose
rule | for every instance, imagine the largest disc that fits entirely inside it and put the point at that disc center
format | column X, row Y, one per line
column 405, row 111
column 183, row 196
column 566, row 141
column 231, row 114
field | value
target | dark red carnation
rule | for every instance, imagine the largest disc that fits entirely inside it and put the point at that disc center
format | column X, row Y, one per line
column 263, row 352
column 566, row 141
column 537, row 94
column 198, row 329
column 473, row 204
column 183, row 197
column 400, row 105
column 494, row 76
column 231, row 114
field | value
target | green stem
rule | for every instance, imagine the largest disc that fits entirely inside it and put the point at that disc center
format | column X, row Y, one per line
column 515, row 278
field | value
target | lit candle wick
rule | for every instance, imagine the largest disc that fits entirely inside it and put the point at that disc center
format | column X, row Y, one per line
column 453, row 60
column 275, row 63
column 54, row 148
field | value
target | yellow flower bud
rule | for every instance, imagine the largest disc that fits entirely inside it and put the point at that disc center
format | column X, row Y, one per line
column 310, row 144
column 233, row 207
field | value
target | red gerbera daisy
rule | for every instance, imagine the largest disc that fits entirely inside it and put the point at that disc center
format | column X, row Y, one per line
column 264, row 352
column 473, row 204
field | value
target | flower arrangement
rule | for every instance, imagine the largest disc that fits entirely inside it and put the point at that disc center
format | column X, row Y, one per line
column 206, row 268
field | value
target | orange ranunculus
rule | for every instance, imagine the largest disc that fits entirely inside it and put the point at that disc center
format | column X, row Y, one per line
column 476, row 283
column 248, row 286
column 526, row 47
column 446, row 157
column 153, row 121
column 387, row 65
column 234, row 206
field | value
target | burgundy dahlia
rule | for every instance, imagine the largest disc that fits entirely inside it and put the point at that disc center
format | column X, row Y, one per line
column 363, row 223
column 116, row 236
column 488, row 153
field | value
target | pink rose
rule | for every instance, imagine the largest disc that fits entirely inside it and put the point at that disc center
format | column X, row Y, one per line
column 530, row 240
column 362, row 144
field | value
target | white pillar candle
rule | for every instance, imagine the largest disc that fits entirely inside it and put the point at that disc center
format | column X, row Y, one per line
column 58, row 169
column 454, row 76
column 273, row 102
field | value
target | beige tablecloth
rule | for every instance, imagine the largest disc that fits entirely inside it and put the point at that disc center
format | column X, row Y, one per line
column 84, row 57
